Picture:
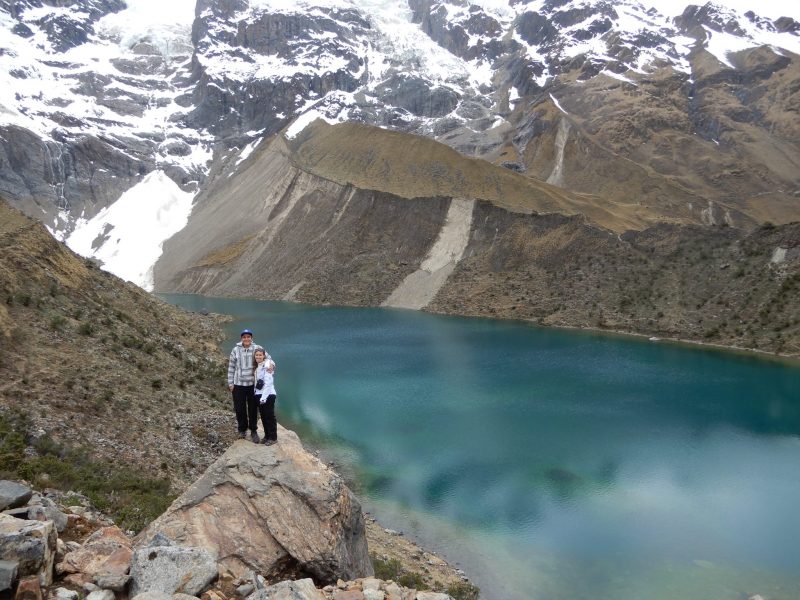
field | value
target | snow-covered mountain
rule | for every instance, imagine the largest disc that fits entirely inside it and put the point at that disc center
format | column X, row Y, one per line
column 104, row 100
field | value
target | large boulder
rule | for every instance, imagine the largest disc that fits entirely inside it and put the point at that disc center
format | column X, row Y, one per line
column 13, row 494
column 276, row 510
column 105, row 558
column 172, row 570
column 32, row 544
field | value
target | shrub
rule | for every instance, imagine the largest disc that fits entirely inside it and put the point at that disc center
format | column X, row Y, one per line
column 57, row 322
column 86, row 328
column 463, row 590
column 386, row 569
column 412, row 579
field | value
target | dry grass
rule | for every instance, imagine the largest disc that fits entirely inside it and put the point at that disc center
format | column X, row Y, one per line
column 412, row 166
column 225, row 255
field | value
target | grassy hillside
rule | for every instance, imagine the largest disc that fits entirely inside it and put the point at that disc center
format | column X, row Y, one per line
column 99, row 379
column 412, row 166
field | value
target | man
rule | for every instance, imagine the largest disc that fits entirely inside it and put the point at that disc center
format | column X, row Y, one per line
column 241, row 380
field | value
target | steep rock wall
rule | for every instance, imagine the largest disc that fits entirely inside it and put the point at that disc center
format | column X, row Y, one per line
column 303, row 237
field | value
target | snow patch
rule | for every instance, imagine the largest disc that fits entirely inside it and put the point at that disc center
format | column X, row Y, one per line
column 128, row 236
column 558, row 106
column 617, row 76
column 247, row 151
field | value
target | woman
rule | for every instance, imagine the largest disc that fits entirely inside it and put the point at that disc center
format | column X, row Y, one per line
column 266, row 395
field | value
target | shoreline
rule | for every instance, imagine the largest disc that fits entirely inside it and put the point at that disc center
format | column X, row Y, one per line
column 791, row 359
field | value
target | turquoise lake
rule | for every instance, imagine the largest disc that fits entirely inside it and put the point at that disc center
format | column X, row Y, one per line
column 549, row 464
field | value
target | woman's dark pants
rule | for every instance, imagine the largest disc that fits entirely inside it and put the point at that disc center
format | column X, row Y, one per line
column 267, row 411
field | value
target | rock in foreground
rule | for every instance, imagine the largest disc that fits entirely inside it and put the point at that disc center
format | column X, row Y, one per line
column 276, row 510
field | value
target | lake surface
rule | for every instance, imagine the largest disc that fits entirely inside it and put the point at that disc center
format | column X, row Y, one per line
column 550, row 464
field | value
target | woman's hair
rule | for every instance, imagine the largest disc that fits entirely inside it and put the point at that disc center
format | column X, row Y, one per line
column 255, row 364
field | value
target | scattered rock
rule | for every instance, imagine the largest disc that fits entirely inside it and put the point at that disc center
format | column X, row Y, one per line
column 105, row 553
column 29, row 589
column 100, row 595
column 8, row 574
column 64, row 594
column 32, row 544
column 171, row 569
column 348, row 595
column 152, row 596
column 206, row 596
column 48, row 513
column 302, row 589
column 13, row 494
column 395, row 592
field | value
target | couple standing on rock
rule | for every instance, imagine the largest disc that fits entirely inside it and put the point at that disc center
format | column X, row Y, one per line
column 250, row 380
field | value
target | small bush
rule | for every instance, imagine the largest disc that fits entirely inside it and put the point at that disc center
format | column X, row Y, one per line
column 463, row 590
column 131, row 342
column 412, row 580
column 57, row 322
column 86, row 328
column 386, row 569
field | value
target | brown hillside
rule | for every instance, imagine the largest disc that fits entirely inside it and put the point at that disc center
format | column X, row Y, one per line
column 411, row 166
column 89, row 360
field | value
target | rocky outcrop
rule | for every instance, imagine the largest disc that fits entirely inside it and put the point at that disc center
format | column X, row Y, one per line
column 13, row 494
column 275, row 510
column 97, row 561
column 104, row 558
column 231, row 104
column 29, row 544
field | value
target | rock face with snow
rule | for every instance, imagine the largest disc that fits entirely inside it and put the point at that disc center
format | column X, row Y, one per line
column 99, row 94
column 277, row 510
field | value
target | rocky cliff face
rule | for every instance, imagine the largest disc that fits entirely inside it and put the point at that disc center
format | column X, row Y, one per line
column 600, row 97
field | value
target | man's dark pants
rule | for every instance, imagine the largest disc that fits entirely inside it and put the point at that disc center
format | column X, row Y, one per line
column 246, row 408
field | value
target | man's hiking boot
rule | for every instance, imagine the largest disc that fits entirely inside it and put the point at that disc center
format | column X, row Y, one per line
column 254, row 438
column 242, row 435
column 270, row 442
